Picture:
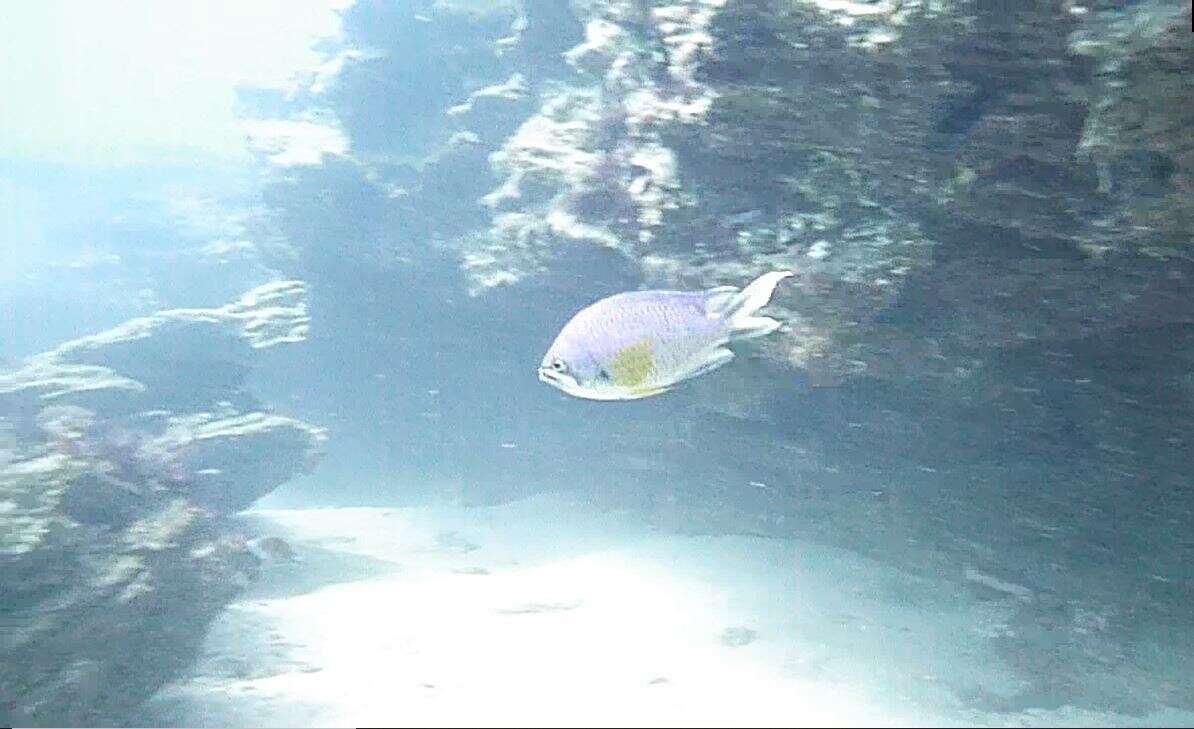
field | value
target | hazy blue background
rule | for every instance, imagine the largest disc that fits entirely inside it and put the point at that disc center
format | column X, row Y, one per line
column 154, row 155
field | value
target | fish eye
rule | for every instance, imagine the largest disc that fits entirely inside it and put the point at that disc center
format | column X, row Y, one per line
column 558, row 365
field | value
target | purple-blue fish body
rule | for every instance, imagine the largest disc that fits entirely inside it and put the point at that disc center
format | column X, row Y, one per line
column 642, row 343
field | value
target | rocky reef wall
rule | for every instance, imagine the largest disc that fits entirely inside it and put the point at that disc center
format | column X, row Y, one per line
column 985, row 370
column 863, row 145
column 121, row 455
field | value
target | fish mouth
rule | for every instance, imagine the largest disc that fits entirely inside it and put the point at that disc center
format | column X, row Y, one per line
column 570, row 386
column 560, row 381
column 557, row 380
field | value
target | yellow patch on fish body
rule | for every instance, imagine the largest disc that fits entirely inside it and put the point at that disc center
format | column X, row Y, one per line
column 633, row 365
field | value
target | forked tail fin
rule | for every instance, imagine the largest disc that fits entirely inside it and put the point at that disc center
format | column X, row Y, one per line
column 738, row 308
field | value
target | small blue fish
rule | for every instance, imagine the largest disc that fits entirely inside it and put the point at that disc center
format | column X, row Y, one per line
column 642, row 343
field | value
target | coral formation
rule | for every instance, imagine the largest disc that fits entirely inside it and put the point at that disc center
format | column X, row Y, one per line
column 122, row 453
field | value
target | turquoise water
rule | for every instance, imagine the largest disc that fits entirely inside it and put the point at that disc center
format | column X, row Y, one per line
column 953, row 490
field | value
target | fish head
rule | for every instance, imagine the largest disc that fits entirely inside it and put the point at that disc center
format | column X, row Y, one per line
column 577, row 366
column 569, row 365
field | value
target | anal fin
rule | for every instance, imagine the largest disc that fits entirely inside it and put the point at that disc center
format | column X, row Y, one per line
column 638, row 394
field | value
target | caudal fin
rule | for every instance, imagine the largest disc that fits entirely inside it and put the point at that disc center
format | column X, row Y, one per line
column 738, row 308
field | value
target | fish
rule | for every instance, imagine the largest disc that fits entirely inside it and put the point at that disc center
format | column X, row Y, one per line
column 640, row 344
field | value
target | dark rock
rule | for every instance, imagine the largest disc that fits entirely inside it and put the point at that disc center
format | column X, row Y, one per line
column 114, row 558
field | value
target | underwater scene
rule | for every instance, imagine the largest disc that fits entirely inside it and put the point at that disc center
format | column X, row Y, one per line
column 597, row 363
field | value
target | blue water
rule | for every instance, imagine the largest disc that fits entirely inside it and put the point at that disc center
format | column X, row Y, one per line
column 474, row 546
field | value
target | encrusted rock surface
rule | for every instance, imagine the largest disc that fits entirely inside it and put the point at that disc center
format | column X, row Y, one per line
column 865, row 145
column 120, row 454
column 860, row 144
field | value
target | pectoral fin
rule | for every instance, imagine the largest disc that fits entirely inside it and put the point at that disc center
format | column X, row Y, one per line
column 712, row 361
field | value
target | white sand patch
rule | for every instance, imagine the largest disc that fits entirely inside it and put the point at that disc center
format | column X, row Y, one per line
column 545, row 612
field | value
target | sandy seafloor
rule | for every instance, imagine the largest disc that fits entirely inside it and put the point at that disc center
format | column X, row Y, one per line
column 546, row 612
